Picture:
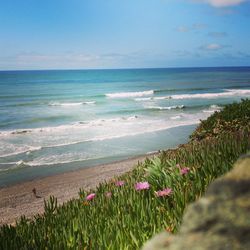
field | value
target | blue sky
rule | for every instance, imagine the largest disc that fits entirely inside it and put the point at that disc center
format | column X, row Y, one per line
column 82, row 34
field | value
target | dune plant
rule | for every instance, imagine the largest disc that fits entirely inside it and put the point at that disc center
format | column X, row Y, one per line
column 233, row 117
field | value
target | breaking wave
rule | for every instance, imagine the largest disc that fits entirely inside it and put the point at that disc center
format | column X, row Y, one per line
column 167, row 108
column 70, row 104
column 226, row 93
column 129, row 94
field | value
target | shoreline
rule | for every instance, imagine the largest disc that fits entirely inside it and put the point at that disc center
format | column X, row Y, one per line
column 18, row 199
column 171, row 138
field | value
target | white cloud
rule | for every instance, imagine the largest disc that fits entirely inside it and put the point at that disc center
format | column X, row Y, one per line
column 72, row 60
column 222, row 3
column 217, row 34
column 183, row 29
column 199, row 26
column 194, row 27
column 212, row 47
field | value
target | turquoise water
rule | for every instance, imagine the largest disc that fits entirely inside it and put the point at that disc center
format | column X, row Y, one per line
column 56, row 121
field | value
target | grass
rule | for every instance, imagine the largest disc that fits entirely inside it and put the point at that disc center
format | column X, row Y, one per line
column 121, row 217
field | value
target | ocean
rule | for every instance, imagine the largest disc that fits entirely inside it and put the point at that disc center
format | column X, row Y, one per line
column 55, row 121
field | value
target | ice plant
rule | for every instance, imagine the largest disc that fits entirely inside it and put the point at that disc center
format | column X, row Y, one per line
column 142, row 185
column 164, row 192
column 108, row 194
column 120, row 183
column 90, row 196
column 184, row 171
column 169, row 229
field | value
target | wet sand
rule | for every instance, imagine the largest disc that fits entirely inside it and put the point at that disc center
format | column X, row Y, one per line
column 19, row 199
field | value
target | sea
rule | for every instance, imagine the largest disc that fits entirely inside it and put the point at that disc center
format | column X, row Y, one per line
column 54, row 121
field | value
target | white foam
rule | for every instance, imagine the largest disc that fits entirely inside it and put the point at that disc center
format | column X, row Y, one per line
column 59, row 159
column 92, row 131
column 167, row 108
column 100, row 122
column 10, row 165
column 175, row 117
column 207, row 111
column 239, row 91
column 49, row 160
column 7, row 163
column 215, row 107
column 143, row 99
column 66, row 128
column 12, row 150
column 212, row 109
column 45, row 162
column 89, row 102
column 152, row 152
column 162, row 98
column 70, row 104
column 227, row 93
column 52, row 137
column 20, row 163
column 129, row 94
column 132, row 117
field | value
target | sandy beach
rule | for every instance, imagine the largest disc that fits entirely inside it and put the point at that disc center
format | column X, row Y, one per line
column 18, row 200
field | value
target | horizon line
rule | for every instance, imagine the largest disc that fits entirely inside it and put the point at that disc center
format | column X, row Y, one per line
column 96, row 69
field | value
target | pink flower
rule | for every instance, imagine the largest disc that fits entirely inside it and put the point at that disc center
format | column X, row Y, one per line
column 90, row 197
column 108, row 194
column 164, row 192
column 142, row 185
column 120, row 183
column 184, row 171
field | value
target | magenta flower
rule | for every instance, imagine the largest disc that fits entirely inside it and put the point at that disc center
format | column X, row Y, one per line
column 90, row 197
column 142, row 185
column 184, row 171
column 120, row 183
column 108, row 194
column 164, row 192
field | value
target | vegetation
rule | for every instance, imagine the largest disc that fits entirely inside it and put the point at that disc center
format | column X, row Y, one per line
column 233, row 117
column 128, row 210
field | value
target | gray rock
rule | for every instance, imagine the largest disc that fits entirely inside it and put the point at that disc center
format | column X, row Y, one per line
column 219, row 220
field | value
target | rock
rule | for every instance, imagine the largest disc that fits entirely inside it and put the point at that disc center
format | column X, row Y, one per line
column 219, row 220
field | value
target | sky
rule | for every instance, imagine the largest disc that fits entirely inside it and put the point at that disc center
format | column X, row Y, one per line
column 89, row 34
